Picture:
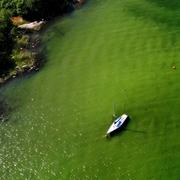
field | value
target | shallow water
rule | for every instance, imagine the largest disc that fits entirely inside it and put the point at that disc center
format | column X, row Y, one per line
column 106, row 54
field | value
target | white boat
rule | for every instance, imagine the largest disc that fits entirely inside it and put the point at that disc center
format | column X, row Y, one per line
column 117, row 124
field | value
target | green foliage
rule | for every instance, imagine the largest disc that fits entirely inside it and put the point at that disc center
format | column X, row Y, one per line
column 23, row 57
column 47, row 8
column 31, row 9
column 5, row 41
column 22, row 41
column 19, row 7
column 39, row 7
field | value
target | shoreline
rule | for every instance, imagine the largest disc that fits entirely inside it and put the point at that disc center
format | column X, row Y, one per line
column 33, row 47
column 25, row 69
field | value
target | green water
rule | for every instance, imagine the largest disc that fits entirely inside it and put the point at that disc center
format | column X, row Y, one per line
column 108, row 53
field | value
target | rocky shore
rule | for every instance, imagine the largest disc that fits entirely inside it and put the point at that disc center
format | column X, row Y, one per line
column 27, row 53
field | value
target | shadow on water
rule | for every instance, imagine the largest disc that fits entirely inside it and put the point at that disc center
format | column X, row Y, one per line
column 173, row 4
column 120, row 132
column 4, row 110
column 135, row 131
column 123, row 129
column 164, row 13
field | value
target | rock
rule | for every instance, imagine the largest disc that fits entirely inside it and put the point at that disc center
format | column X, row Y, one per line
column 31, row 68
column 1, row 80
column 80, row 1
column 17, row 68
column 25, row 66
column 33, row 25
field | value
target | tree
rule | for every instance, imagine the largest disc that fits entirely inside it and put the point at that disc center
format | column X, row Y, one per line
column 5, row 41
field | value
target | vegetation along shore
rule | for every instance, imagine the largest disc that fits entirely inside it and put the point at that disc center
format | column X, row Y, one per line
column 20, row 25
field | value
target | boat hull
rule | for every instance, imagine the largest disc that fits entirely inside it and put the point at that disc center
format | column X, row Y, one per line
column 118, row 129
